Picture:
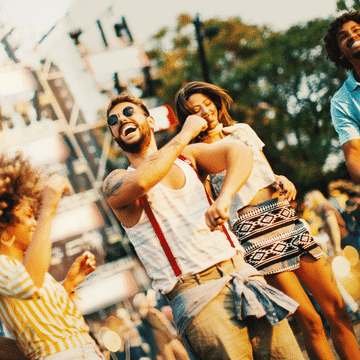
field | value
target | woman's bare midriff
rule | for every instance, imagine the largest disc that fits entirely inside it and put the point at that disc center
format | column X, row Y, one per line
column 261, row 196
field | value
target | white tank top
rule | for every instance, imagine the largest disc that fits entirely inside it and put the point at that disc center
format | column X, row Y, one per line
column 181, row 216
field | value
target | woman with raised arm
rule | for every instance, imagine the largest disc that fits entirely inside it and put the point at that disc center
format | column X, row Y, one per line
column 275, row 241
column 36, row 310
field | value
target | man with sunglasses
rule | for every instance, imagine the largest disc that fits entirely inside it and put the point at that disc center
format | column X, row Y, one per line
column 222, row 306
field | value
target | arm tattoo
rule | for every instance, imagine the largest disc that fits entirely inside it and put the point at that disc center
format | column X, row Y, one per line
column 159, row 154
column 174, row 144
column 111, row 185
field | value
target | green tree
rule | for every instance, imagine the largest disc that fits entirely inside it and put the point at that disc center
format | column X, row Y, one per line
column 342, row 5
column 288, row 86
column 175, row 54
column 281, row 83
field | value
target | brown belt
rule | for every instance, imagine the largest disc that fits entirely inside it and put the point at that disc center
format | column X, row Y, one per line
column 216, row 271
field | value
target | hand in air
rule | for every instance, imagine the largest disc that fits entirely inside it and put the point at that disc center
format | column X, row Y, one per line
column 55, row 186
column 194, row 124
column 81, row 267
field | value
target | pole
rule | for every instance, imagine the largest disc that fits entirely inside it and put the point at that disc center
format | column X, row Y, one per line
column 200, row 40
column 102, row 33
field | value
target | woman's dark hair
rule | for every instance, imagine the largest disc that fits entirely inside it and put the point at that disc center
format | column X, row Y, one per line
column 19, row 181
column 331, row 39
column 215, row 93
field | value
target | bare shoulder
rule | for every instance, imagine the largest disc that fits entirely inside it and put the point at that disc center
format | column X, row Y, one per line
column 122, row 198
column 113, row 182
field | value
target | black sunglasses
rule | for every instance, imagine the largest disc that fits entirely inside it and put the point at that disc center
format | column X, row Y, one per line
column 113, row 119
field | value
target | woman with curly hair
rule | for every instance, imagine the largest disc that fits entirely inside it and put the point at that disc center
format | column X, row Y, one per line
column 36, row 309
column 274, row 239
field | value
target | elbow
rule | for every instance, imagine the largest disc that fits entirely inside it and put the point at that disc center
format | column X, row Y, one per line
column 143, row 186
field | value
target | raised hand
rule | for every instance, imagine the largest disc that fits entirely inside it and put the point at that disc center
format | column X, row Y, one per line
column 81, row 267
column 54, row 188
column 194, row 124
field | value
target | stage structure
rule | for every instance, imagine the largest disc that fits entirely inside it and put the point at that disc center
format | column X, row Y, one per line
column 41, row 114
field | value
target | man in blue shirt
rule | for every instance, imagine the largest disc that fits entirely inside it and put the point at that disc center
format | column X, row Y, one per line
column 342, row 44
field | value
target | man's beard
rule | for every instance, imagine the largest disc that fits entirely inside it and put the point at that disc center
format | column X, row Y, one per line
column 356, row 55
column 138, row 146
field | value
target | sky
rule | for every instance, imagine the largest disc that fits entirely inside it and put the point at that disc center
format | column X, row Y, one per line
column 146, row 17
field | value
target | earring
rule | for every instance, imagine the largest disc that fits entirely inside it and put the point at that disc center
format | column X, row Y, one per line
column 7, row 241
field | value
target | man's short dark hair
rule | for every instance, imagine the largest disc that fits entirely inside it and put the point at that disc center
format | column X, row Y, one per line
column 124, row 97
column 331, row 39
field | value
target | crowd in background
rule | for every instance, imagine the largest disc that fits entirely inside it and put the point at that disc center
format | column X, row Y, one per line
column 333, row 221
column 144, row 330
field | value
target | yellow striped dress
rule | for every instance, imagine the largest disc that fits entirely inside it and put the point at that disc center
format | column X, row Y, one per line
column 42, row 321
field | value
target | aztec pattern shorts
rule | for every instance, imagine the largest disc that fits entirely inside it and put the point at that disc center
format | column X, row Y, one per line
column 273, row 237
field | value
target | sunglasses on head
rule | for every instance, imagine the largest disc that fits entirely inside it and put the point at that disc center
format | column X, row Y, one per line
column 113, row 119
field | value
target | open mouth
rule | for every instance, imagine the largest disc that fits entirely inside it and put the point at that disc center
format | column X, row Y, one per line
column 355, row 44
column 128, row 129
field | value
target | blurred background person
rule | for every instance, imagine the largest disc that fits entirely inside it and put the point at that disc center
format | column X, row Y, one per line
column 328, row 229
column 338, row 193
column 320, row 213
column 351, row 216
column 132, row 345
column 167, row 341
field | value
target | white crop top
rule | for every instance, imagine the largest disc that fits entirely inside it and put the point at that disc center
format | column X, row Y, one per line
column 261, row 175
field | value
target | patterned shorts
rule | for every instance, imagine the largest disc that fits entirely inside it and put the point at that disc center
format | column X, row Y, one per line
column 273, row 237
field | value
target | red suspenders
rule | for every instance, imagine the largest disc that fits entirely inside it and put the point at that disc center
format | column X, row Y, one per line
column 159, row 232
column 160, row 236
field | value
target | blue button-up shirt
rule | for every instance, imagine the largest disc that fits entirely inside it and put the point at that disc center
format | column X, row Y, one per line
column 345, row 110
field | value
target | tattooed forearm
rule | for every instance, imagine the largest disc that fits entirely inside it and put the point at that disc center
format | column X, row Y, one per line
column 111, row 185
column 173, row 146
